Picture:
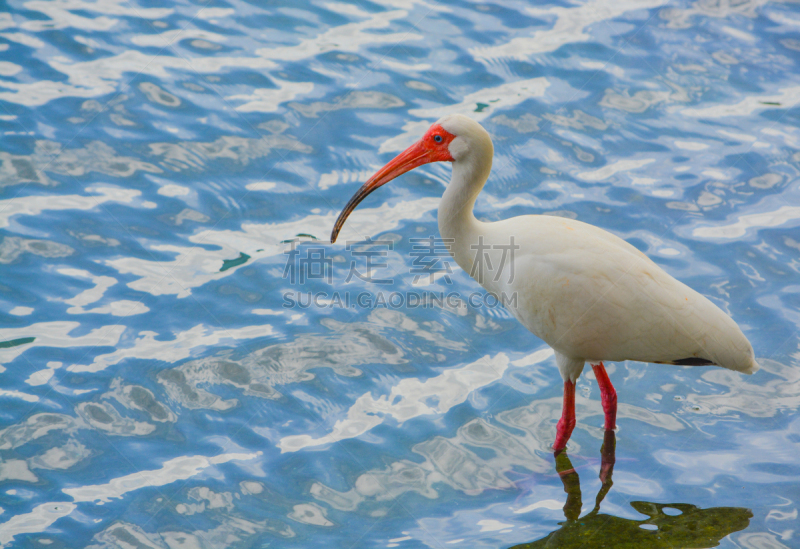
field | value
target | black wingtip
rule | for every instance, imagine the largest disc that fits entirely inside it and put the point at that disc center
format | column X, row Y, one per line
column 692, row 361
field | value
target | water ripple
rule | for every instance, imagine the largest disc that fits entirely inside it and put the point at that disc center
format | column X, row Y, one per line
column 160, row 166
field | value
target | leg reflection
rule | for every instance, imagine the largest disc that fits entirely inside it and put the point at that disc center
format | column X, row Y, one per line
column 666, row 526
column 607, row 460
column 572, row 483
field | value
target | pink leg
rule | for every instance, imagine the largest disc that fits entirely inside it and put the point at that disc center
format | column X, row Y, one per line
column 608, row 395
column 567, row 422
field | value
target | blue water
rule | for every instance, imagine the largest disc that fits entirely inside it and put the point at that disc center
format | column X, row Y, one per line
column 166, row 172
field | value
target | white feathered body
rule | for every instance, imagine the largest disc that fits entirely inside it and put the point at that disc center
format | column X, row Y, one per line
column 586, row 292
column 592, row 296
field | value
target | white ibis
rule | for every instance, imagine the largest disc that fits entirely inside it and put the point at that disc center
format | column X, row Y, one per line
column 587, row 293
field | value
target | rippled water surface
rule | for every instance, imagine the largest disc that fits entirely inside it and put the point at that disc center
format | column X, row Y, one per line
column 165, row 172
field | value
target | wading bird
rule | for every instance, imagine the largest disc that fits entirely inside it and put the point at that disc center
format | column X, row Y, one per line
column 587, row 293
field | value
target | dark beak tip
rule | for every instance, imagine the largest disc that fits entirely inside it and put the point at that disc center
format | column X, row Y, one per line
column 335, row 232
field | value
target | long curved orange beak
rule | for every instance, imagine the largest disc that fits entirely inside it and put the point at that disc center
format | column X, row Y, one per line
column 414, row 156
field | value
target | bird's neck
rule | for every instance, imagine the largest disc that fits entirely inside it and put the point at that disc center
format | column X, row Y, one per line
column 456, row 218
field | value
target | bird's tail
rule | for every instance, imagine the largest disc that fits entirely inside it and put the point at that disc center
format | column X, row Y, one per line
column 746, row 365
column 754, row 367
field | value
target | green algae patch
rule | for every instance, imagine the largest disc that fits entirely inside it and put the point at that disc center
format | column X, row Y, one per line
column 231, row 263
column 16, row 342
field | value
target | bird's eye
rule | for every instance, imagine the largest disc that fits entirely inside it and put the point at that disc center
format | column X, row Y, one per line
column 437, row 138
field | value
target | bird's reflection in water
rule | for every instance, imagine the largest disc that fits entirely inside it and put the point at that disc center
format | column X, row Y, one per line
column 670, row 525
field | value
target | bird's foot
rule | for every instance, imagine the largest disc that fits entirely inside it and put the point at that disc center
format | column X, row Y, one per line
column 564, row 430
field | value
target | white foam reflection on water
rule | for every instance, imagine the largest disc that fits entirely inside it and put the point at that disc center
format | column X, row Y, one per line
column 98, row 77
column 269, row 99
column 147, row 346
column 787, row 98
column 785, row 215
column 56, row 335
column 408, row 399
column 196, row 266
column 168, row 38
column 621, row 166
column 262, row 371
column 92, row 295
column 776, row 457
column 61, row 14
column 33, row 205
column 95, row 78
column 568, row 28
column 348, row 37
column 492, row 99
column 180, row 468
column 38, row 520
column 12, row 247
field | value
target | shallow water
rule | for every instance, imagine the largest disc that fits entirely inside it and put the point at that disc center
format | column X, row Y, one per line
column 165, row 172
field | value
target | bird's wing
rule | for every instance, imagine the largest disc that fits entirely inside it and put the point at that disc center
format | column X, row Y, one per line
column 590, row 294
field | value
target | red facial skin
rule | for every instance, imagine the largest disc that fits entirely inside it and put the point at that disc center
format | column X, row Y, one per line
column 424, row 151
